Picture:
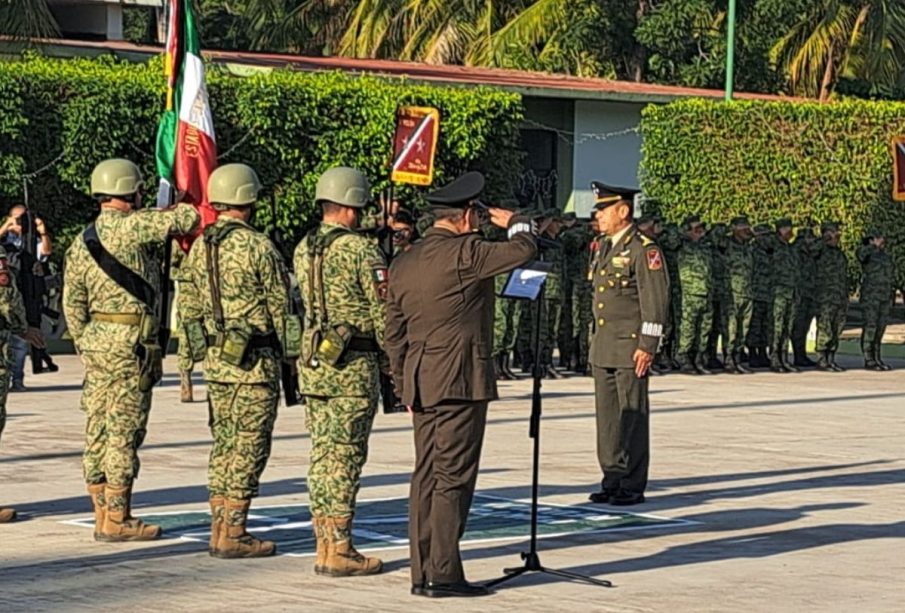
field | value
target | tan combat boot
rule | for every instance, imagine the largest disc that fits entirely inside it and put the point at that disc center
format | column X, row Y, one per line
column 218, row 513
column 99, row 500
column 342, row 559
column 7, row 515
column 185, row 384
column 320, row 542
column 119, row 525
column 235, row 541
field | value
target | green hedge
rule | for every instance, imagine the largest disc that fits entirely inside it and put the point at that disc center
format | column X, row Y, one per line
column 766, row 160
column 289, row 125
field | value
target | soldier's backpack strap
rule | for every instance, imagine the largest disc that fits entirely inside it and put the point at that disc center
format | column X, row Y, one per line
column 214, row 236
column 317, row 246
column 119, row 273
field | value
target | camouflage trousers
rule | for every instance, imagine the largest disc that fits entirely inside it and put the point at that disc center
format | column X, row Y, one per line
column 761, row 331
column 784, row 301
column 582, row 314
column 740, row 311
column 565, row 331
column 504, row 325
column 4, row 376
column 876, row 316
column 830, row 324
column 241, row 422
column 673, row 322
column 552, row 315
column 524, row 332
column 804, row 314
column 718, row 338
column 183, row 355
column 116, row 413
column 340, row 427
column 695, row 326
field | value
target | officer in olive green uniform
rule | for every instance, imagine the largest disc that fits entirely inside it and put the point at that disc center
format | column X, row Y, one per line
column 740, row 269
column 343, row 280
column 236, row 318
column 807, row 302
column 785, row 296
column 761, row 331
column 718, row 335
column 832, row 297
column 696, row 278
column 12, row 321
column 631, row 305
column 110, row 289
column 878, row 293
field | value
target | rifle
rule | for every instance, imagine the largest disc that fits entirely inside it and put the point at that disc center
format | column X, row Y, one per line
column 34, row 284
column 288, row 370
column 391, row 403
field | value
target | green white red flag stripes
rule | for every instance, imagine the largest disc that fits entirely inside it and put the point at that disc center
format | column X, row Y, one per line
column 186, row 144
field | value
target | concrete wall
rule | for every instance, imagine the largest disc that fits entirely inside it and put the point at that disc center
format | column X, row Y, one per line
column 615, row 160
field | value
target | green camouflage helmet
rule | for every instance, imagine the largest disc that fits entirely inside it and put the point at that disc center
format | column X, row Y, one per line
column 344, row 186
column 233, row 185
column 115, row 177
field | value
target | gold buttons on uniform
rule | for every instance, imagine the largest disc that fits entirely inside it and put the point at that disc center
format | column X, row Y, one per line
column 601, row 288
column 599, row 305
column 634, row 335
column 601, row 321
column 618, row 275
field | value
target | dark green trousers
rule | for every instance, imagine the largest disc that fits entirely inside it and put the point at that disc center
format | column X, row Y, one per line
column 804, row 314
column 740, row 311
column 830, row 324
column 623, row 429
column 876, row 317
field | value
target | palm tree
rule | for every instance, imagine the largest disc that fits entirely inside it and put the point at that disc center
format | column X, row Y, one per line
column 27, row 19
column 861, row 39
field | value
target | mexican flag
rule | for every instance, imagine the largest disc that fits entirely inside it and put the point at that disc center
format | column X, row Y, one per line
column 186, row 146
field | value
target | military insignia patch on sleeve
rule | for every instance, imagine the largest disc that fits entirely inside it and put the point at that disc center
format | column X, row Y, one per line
column 654, row 259
column 381, row 275
column 4, row 273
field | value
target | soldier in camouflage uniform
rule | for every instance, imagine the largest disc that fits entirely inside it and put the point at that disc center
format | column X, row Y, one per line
column 740, row 268
column 718, row 336
column 696, row 277
column 877, row 295
column 236, row 316
column 185, row 363
column 670, row 240
column 550, row 228
column 577, row 243
column 503, row 330
column 804, row 245
column 832, row 297
column 565, row 335
column 342, row 277
column 12, row 321
column 115, row 333
column 785, row 296
column 760, row 333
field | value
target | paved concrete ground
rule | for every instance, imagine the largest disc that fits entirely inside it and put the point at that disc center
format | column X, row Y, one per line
column 795, row 485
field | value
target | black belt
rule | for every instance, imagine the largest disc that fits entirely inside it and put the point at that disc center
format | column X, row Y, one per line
column 365, row 344
column 257, row 341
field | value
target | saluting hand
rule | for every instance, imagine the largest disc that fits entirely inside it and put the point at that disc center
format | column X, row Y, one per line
column 643, row 361
column 500, row 217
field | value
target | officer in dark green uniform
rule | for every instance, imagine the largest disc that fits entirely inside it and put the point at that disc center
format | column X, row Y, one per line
column 631, row 305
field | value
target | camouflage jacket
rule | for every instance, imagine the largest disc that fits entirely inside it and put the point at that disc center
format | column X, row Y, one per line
column 696, row 269
column 576, row 248
column 740, row 264
column 254, row 296
column 670, row 242
column 785, row 265
column 354, row 293
column 722, row 291
column 132, row 238
column 832, row 276
column 807, row 266
column 878, row 274
column 762, row 281
column 12, row 309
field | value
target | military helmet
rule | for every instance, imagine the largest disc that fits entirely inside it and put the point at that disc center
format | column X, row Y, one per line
column 233, row 185
column 344, row 186
column 115, row 177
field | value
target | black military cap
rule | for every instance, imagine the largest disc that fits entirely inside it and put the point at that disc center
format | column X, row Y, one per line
column 741, row 220
column 458, row 194
column 783, row 222
column 404, row 216
column 607, row 195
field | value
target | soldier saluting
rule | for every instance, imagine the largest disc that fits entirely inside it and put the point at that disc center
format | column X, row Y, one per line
column 631, row 304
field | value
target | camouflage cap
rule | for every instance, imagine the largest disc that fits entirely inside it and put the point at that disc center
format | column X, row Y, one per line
column 829, row 226
column 783, row 222
column 740, row 221
column 692, row 220
column 805, row 232
column 873, row 233
column 762, row 229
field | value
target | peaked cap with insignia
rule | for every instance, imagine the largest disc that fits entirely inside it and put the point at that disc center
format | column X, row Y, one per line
column 608, row 195
column 458, row 194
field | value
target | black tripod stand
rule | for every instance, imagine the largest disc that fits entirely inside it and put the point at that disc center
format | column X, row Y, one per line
column 532, row 560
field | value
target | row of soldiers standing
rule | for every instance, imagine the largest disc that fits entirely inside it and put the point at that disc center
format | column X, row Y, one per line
column 740, row 295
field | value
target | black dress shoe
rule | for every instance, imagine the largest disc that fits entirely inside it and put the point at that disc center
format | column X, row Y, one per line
column 418, row 589
column 462, row 589
column 601, row 497
column 626, row 499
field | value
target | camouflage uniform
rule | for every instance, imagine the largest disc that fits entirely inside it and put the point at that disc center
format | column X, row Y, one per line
column 12, row 321
column 552, row 311
column 722, row 296
column 807, row 301
column 342, row 399
column 696, row 279
column 785, row 299
column 115, row 407
column 760, row 334
column 671, row 243
column 254, row 297
column 179, row 275
column 577, row 243
column 877, row 296
column 740, row 263
column 832, row 298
